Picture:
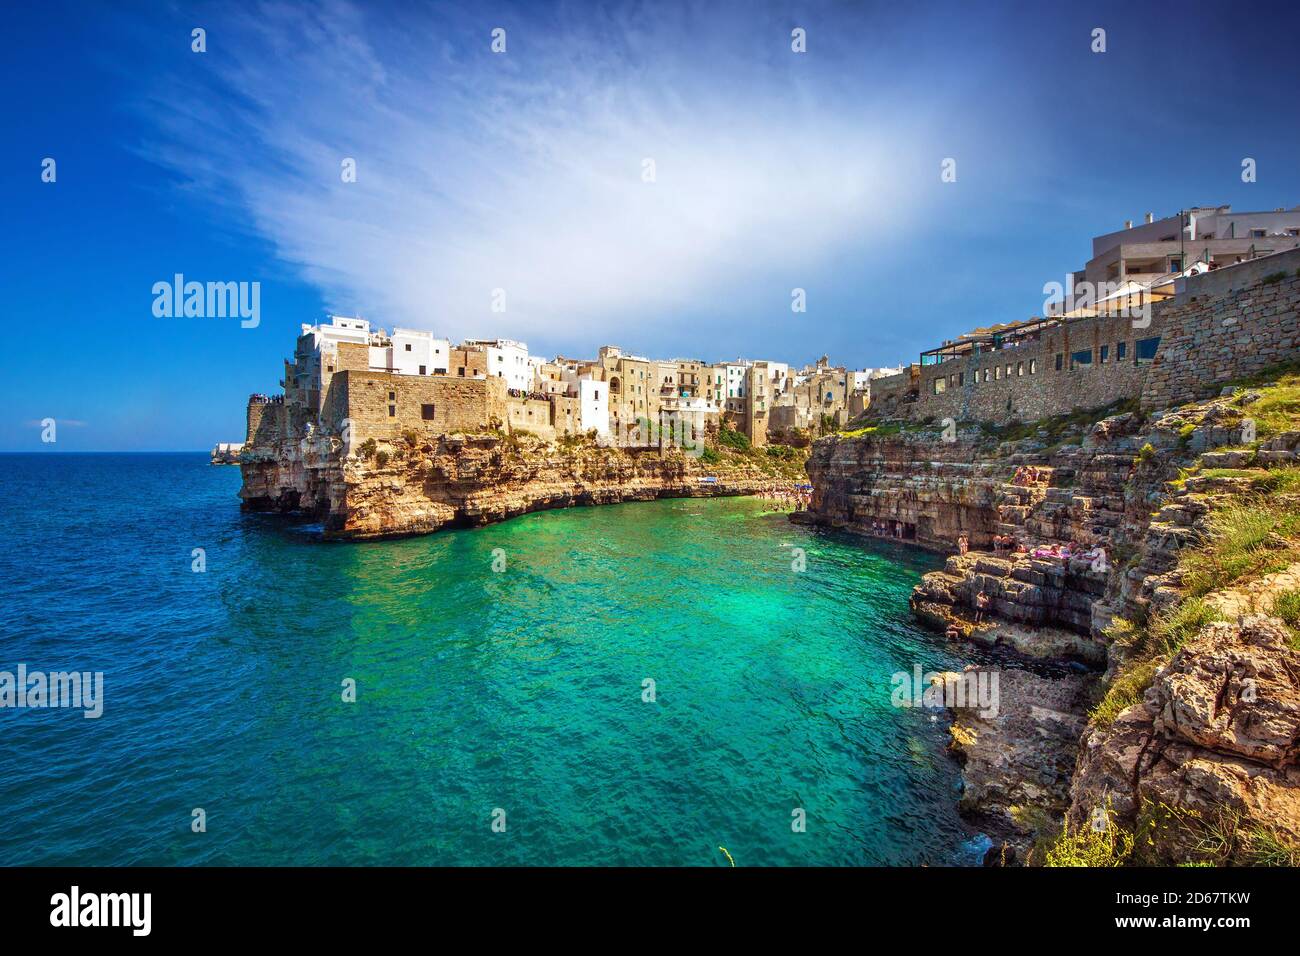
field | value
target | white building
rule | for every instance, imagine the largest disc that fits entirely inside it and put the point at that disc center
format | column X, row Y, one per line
column 780, row 372
column 507, row 359
column 736, row 375
column 593, row 406
column 418, row 353
column 340, row 329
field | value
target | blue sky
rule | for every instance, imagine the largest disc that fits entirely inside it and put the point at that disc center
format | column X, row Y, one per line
column 524, row 171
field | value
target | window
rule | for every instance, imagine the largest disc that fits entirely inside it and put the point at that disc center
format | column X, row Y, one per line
column 1008, row 371
column 986, row 375
column 1145, row 349
column 1033, row 366
column 1082, row 357
column 940, row 385
column 997, row 374
column 1060, row 359
column 392, row 411
column 421, row 369
column 1105, row 354
column 1020, row 369
column 1175, row 264
column 961, row 378
column 460, row 372
column 426, row 412
column 408, row 346
column 1258, row 233
column 1293, row 232
column 1121, row 351
column 595, row 394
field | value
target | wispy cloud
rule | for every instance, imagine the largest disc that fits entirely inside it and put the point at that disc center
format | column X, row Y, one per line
column 524, row 171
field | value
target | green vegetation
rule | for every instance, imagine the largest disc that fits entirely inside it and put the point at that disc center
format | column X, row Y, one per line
column 1217, row 839
column 1145, row 455
column 1152, row 644
column 381, row 458
column 368, row 448
column 1287, row 606
column 1056, row 429
column 1161, row 831
column 710, row 456
column 1273, row 278
column 1249, row 537
column 1125, row 691
column 1087, row 845
column 733, row 439
column 1278, row 407
column 782, row 452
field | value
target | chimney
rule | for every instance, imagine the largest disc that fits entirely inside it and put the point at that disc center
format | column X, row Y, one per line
column 1128, row 223
column 1150, row 218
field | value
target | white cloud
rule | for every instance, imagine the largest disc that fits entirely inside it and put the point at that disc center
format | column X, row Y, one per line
column 523, row 171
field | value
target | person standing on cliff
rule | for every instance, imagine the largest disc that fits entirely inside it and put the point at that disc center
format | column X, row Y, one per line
column 981, row 605
column 963, row 543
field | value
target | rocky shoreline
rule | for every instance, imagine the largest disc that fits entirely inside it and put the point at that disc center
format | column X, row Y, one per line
column 1132, row 492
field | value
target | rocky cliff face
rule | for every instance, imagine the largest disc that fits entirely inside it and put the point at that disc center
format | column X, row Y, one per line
column 1112, row 490
column 1211, row 749
column 942, row 489
column 458, row 480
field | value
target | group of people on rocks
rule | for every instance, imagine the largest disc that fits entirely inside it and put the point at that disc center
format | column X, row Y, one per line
column 1009, row 544
column 1001, row 543
column 890, row 529
column 1073, row 551
column 792, row 499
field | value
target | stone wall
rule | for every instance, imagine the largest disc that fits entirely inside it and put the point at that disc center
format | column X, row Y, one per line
column 1234, row 324
column 1031, row 380
column 1222, row 325
column 270, row 422
column 530, row 415
column 382, row 405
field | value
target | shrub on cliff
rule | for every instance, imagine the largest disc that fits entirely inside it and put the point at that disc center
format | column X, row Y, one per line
column 1089, row 845
column 368, row 448
column 733, row 439
column 1287, row 606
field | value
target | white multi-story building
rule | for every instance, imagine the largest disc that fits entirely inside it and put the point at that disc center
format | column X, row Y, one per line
column 736, row 374
column 507, row 359
column 418, row 353
column 593, row 407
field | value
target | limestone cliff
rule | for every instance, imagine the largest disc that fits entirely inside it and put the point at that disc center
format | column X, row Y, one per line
column 416, row 487
column 1137, row 498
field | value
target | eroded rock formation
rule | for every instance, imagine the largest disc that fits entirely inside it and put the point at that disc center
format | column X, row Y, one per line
column 1108, row 491
column 460, row 480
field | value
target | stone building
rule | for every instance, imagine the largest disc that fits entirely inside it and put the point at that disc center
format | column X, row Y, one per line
column 1211, row 329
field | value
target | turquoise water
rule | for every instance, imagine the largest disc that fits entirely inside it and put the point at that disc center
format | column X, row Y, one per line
column 476, row 690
